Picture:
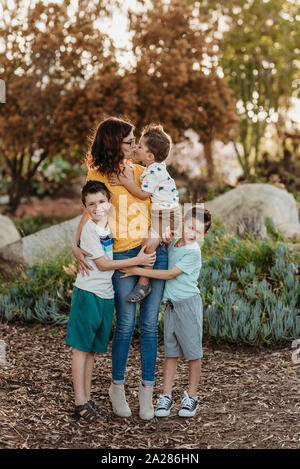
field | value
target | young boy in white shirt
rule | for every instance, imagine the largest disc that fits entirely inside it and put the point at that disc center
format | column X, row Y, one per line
column 153, row 149
column 183, row 310
column 92, row 305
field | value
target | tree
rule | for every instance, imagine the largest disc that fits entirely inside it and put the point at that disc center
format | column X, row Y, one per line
column 61, row 77
column 260, row 49
column 176, row 75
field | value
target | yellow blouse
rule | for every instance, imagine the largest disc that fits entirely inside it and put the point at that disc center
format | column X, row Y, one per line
column 129, row 218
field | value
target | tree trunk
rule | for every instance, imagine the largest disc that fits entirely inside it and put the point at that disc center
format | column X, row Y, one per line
column 21, row 184
column 209, row 160
column 17, row 190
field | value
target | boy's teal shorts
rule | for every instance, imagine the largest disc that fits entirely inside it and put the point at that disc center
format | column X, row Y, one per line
column 90, row 321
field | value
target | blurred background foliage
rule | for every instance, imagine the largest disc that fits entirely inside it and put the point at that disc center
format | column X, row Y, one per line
column 227, row 71
column 222, row 77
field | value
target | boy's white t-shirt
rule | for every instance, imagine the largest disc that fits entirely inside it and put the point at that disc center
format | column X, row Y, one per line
column 97, row 241
column 156, row 180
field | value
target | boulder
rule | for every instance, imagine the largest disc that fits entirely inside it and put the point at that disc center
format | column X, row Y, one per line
column 8, row 231
column 44, row 245
column 2, row 353
column 258, row 201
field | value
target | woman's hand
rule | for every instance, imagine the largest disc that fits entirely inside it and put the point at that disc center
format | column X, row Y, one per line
column 80, row 254
column 128, row 271
column 146, row 259
column 116, row 179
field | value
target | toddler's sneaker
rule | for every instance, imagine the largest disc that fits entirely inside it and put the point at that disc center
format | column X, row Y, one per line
column 189, row 406
column 165, row 404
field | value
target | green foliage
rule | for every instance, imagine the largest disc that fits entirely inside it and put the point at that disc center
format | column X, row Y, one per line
column 50, row 176
column 250, row 291
column 238, row 253
column 41, row 294
column 260, row 60
column 53, row 174
column 4, row 179
column 272, row 230
column 251, row 296
column 29, row 225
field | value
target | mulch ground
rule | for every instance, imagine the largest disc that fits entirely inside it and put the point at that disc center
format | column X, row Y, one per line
column 249, row 398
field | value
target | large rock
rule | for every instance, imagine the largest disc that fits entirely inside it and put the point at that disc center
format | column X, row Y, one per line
column 44, row 245
column 257, row 201
column 8, row 231
column 2, row 353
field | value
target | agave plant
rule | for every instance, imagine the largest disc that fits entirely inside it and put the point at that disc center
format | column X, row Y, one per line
column 243, row 306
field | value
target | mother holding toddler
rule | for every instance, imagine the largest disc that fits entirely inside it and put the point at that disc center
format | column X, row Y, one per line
column 110, row 153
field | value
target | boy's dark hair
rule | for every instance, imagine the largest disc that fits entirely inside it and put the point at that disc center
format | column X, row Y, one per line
column 201, row 214
column 158, row 142
column 92, row 187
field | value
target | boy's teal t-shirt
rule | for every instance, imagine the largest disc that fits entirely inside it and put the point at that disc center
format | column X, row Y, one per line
column 188, row 259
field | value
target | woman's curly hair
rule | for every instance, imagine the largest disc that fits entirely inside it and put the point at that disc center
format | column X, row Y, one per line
column 105, row 152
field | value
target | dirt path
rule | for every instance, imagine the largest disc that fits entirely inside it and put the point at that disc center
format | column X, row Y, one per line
column 249, row 399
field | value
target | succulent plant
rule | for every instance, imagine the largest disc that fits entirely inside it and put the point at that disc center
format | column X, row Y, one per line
column 241, row 306
column 250, row 293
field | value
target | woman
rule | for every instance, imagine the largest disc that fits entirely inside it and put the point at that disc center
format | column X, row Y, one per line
column 111, row 152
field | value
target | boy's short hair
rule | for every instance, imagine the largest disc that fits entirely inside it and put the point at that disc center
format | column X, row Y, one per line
column 201, row 214
column 158, row 141
column 92, row 187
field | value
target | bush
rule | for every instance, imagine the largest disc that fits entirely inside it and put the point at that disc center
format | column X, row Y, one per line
column 251, row 293
column 40, row 294
column 53, row 174
column 31, row 224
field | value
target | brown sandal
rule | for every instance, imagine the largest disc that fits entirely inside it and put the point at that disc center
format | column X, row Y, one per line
column 96, row 408
column 86, row 412
column 139, row 292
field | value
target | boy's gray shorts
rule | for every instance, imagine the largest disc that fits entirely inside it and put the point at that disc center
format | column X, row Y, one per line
column 183, row 323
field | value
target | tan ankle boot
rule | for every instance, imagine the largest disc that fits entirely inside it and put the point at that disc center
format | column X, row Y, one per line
column 117, row 396
column 146, row 405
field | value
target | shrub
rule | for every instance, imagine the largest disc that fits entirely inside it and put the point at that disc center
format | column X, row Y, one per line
column 52, row 174
column 251, row 294
column 41, row 294
column 31, row 224
column 250, row 291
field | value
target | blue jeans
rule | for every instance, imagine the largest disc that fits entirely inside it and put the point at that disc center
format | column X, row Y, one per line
column 125, row 319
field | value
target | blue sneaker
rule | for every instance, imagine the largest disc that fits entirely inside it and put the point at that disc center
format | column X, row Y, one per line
column 165, row 404
column 189, row 406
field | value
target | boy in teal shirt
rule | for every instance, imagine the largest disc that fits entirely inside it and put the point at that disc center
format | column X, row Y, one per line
column 183, row 311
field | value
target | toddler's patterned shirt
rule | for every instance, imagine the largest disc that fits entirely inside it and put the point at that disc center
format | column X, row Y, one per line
column 156, row 180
